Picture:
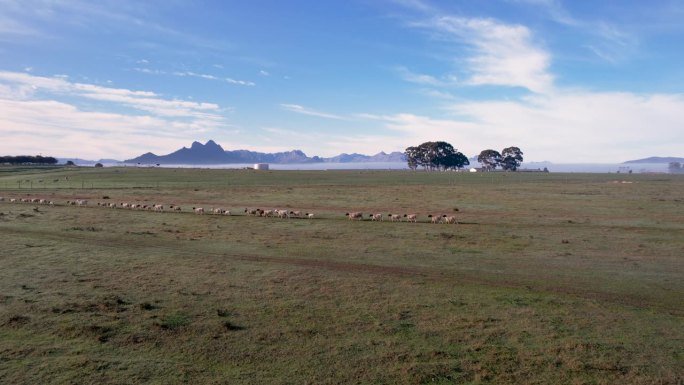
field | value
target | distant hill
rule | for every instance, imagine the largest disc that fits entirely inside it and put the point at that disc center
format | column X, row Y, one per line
column 379, row 157
column 213, row 153
column 656, row 159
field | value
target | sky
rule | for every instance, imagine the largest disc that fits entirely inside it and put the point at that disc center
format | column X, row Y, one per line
column 576, row 81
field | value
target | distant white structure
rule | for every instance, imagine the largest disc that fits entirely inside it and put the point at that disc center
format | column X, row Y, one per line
column 261, row 166
column 473, row 169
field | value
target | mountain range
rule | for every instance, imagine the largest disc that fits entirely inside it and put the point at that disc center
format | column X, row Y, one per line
column 213, row 153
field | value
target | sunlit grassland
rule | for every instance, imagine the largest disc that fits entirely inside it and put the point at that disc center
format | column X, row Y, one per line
column 548, row 278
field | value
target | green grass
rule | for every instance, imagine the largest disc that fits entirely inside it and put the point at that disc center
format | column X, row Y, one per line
column 548, row 278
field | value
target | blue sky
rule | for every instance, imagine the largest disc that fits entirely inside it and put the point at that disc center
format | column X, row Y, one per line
column 566, row 81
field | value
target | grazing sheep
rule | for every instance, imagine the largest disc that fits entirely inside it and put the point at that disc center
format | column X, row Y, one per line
column 156, row 207
column 198, row 210
column 252, row 211
column 449, row 219
column 355, row 216
column 309, row 215
column 376, row 217
column 226, row 212
column 282, row 214
column 435, row 218
column 395, row 217
column 13, row 200
column 177, row 208
column 2, row 199
column 411, row 217
column 296, row 214
column 266, row 213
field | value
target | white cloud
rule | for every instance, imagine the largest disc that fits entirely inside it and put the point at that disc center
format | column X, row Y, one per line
column 264, row 73
column 34, row 120
column 500, row 54
column 311, row 112
column 565, row 127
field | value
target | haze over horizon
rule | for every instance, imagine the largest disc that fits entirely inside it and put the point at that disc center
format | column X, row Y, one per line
column 567, row 82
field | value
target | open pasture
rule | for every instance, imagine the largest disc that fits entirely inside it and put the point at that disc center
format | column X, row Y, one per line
column 547, row 278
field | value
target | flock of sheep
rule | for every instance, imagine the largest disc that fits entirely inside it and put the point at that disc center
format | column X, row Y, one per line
column 436, row 218
column 275, row 213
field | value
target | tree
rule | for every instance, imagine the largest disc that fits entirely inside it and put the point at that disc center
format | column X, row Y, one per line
column 675, row 168
column 511, row 158
column 70, row 163
column 27, row 159
column 98, row 165
column 411, row 154
column 435, row 155
column 489, row 159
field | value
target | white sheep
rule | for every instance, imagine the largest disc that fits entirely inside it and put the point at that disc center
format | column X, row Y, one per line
column 435, row 218
column 282, row 214
column 355, row 215
column 394, row 217
column 411, row 217
column 449, row 219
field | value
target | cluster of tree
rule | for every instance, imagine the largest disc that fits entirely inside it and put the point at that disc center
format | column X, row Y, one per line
column 443, row 156
column 27, row 159
column 675, row 168
column 435, row 156
column 508, row 159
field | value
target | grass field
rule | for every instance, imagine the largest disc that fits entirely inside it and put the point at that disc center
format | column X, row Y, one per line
column 547, row 279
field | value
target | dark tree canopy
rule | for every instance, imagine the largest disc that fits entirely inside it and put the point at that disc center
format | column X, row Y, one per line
column 511, row 158
column 27, row 159
column 435, row 156
column 489, row 159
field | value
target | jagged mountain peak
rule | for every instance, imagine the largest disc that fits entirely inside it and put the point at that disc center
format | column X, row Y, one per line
column 212, row 153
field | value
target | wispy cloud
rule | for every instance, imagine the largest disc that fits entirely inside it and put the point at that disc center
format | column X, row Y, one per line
column 212, row 77
column 311, row 112
column 195, row 75
column 427, row 80
column 607, row 41
column 500, row 54
column 417, row 5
